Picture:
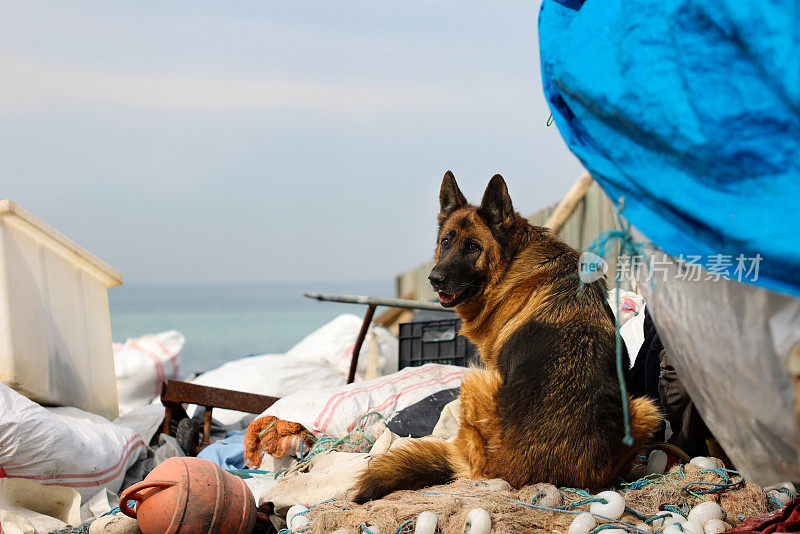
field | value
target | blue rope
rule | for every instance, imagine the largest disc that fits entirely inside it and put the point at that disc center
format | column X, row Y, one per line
column 279, row 473
column 304, row 512
column 582, row 502
column 404, row 524
column 643, row 482
column 655, row 517
column 634, row 513
column 623, row 388
column 539, row 507
column 775, row 502
column 578, row 491
column 454, row 494
column 297, row 531
column 629, row 528
column 723, row 473
column 670, row 508
column 627, row 245
column 538, row 496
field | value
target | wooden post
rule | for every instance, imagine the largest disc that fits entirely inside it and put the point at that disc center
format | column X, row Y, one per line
column 794, row 371
column 568, row 204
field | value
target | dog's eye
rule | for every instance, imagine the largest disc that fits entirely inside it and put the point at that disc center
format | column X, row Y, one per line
column 445, row 241
column 473, row 247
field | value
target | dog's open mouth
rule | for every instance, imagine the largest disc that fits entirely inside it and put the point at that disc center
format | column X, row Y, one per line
column 447, row 300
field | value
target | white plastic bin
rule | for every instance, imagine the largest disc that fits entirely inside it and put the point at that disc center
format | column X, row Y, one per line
column 55, row 331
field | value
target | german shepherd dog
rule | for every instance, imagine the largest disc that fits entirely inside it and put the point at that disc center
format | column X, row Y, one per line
column 546, row 406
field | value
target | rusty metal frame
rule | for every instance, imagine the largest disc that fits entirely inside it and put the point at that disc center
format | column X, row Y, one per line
column 175, row 393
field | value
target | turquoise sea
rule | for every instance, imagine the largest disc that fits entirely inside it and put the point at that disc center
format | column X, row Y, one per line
column 223, row 323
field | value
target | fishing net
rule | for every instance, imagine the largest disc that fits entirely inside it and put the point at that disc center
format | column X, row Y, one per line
column 541, row 507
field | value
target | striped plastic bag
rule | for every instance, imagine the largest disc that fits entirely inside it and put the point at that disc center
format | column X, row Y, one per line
column 142, row 364
column 64, row 446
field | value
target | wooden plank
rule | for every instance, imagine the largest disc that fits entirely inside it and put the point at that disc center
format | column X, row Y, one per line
column 568, row 204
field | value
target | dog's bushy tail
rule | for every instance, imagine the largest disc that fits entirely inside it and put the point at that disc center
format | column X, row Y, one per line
column 418, row 464
column 645, row 420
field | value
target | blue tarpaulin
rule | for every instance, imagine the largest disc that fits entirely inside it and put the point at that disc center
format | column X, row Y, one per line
column 691, row 112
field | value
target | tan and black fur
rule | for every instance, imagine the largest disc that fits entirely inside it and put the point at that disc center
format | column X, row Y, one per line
column 546, row 407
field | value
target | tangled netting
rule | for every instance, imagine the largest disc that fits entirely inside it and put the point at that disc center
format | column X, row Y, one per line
column 540, row 507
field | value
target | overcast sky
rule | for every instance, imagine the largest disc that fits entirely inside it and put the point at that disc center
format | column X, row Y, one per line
column 260, row 141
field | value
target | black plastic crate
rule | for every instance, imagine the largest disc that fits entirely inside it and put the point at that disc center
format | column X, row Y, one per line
column 434, row 342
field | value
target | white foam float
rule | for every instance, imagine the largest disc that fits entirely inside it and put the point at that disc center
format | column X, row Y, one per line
column 656, row 462
column 478, row 522
column 686, row 528
column 494, row 484
column 703, row 462
column 548, row 495
column 426, row 523
column 692, row 525
column 582, row 524
column 704, row 512
column 292, row 513
column 779, row 496
column 613, row 508
column 776, row 491
column 784, row 485
column 715, row 526
column 299, row 521
column 669, row 519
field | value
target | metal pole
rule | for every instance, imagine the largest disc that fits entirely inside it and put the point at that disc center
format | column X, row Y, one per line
column 351, row 376
column 378, row 301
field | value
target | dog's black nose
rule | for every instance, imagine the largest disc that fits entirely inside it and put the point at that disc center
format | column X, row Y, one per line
column 436, row 279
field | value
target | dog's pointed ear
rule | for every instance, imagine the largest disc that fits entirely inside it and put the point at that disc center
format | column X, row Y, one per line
column 450, row 197
column 496, row 204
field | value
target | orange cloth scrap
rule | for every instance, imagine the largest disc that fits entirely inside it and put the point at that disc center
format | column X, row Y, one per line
column 273, row 436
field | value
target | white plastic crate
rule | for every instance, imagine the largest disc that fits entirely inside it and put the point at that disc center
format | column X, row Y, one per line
column 55, row 331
